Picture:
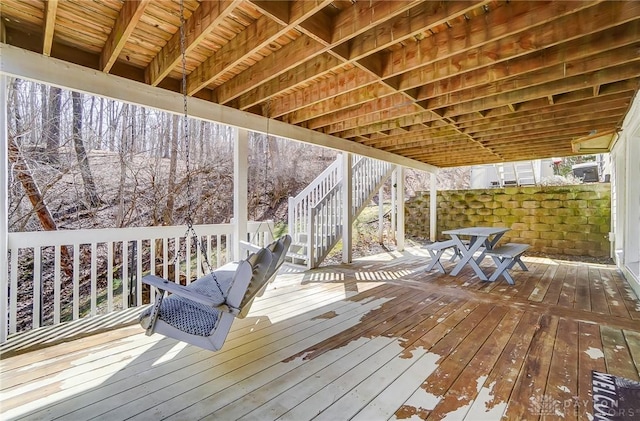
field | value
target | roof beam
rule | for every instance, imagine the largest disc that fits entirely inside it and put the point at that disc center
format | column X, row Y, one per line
column 592, row 63
column 285, row 59
column 340, row 84
column 126, row 22
column 204, row 19
column 508, row 32
column 403, row 121
column 255, row 37
column 443, row 70
column 577, row 110
column 611, row 74
column 361, row 17
column 542, row 105
column 316, row 66
column 374, row 92
column 50, row 10
column 540, row 76
column 413, row 22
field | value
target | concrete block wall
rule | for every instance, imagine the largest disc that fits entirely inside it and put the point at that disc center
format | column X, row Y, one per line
column 572, row 220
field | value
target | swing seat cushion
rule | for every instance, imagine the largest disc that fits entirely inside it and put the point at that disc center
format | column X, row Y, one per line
column 190, row 316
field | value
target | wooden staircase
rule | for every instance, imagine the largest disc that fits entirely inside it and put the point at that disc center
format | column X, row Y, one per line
column 521, row 173
column 315, row 215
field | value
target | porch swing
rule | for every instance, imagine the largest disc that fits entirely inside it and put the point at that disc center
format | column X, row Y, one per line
column 202, row 312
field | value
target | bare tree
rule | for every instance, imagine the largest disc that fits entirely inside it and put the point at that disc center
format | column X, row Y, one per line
column 90, row 191
column 167, row 214
column 51, row 128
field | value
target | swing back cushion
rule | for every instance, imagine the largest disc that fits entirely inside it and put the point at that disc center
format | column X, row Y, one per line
column 205, row 325
column 279, row 249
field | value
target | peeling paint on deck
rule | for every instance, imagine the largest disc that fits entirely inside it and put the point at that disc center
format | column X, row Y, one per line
column 328, row 315
column 594, row 353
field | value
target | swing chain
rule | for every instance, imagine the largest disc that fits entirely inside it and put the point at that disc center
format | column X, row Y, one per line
column 185, row 115
column 265, row 152
column 190, row 234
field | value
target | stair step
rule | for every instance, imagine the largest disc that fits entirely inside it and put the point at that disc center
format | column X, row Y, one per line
column 293, row 257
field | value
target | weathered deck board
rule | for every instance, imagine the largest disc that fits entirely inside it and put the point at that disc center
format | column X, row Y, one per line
column 590, row 357
column 533, row 375
column 562, row 384
column 380, row 339
column 599, row 302
column 568, row 292
column 553, row 291
column 617, row 354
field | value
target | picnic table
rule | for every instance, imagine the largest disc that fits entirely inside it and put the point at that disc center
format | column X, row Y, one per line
column 486, row 237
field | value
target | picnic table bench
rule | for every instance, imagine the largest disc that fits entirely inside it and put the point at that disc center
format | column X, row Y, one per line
column 505, row 257
column 437, row 249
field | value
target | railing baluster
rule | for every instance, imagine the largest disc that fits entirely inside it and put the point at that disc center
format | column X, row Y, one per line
column 56, row 284
column 165, row 258
column 125, row 275
column 199, row 257
column 76, row 281
column 94, row 279
column 139, row 272
column 187, row 259
column 219, row 248
column 176, row 260
column 37, row 287
column 13, row 291
column 109, row 276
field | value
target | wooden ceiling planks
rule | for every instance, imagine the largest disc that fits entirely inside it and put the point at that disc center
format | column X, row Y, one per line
column 445, row 83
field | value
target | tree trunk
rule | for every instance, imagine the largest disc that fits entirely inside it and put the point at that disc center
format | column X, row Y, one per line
column 52, row 127
column 100, row 119
column 123, row 169
column 90, row 191
column 23, row 173
column 167, row 214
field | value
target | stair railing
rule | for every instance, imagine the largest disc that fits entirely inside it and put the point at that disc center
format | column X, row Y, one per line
column 325, row 219
column 300, row 205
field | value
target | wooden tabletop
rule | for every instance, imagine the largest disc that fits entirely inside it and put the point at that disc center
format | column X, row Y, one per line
column 477, row 231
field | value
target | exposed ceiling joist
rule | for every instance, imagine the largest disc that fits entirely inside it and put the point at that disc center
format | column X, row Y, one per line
column 444, row 83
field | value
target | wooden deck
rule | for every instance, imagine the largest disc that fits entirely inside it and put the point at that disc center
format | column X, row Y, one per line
column 379, row 339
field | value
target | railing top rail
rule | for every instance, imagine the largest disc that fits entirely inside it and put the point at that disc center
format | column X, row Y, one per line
column 334, row 165
column 101, row 235
column 325, row 197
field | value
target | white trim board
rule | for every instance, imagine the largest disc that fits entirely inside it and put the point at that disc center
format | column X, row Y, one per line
column 24, row 64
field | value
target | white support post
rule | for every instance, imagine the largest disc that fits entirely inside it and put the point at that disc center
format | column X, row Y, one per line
column 400, row 207
column 240, row 189
column 433, row 210
column 381, row 215
column 394, row 193
column 4, row 210
column 347, row 205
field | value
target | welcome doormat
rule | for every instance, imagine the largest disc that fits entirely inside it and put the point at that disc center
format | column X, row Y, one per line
column 615, row 398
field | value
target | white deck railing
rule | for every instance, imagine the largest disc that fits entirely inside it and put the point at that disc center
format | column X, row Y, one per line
column 58, row 276
column 299, row 206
